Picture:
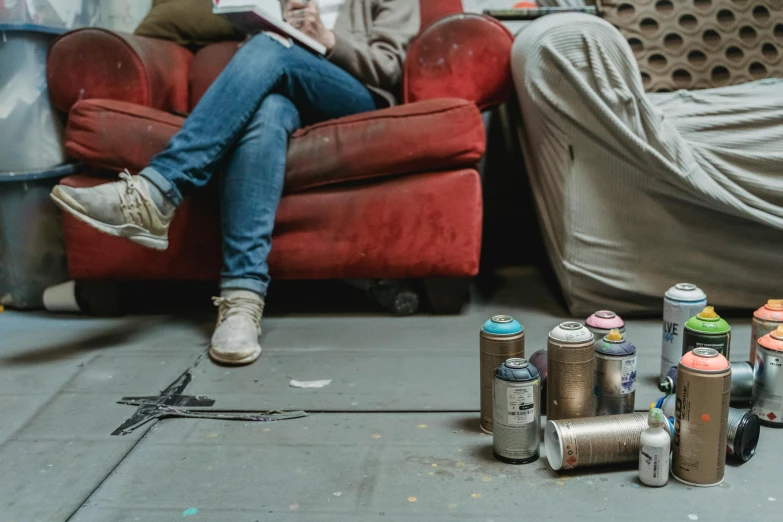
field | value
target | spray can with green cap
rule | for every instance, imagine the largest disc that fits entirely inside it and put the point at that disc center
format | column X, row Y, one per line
column 707, row 330
column 654, row 450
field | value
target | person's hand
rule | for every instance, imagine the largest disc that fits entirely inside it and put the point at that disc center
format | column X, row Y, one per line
column 305, row 17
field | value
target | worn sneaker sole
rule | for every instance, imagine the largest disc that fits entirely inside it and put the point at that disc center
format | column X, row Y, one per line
column 131, row 232
column 235, row 362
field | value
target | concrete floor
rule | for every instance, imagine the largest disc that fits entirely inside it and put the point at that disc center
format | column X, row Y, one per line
column 393, row 437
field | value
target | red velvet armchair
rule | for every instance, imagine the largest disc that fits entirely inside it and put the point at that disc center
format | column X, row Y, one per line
column 391, row 194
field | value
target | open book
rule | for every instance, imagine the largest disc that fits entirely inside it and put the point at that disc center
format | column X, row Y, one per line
column 255, row 16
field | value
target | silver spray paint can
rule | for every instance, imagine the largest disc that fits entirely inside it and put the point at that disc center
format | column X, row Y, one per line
column 615, row 375
column 767, row 402
column 680, row 303
column 516, row 412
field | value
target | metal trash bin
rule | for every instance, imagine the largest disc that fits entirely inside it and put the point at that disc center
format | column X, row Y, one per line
column 30, row 129
column 32, row 252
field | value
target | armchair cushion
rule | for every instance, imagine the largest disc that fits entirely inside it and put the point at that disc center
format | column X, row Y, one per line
column 419, row 137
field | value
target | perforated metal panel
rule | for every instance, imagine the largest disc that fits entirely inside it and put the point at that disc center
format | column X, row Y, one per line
column 697, row 44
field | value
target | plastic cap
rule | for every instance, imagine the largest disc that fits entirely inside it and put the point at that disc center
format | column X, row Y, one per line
column 656, row 418
column 778, row 334
column 614, row 335
column 708, row 313
column 775, row 304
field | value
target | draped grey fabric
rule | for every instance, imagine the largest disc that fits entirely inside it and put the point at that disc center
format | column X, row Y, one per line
column 637, row 192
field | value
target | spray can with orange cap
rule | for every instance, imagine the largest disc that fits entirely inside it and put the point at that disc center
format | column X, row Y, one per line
column 765, row 320
column 701, row 417
column 767, row 402
column 707, row 330
column 615, row 375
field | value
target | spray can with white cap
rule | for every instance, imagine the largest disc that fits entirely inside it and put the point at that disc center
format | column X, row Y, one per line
column 654, row 450
column 680, row 303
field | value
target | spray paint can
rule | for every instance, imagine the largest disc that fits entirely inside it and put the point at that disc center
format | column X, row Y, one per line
column 680, row 303
column 741, row 382
column 516, row 412
column 604, row 321
column 742, row 429
column 767, row 402
column 570, row 361
column 765, row 320
column 707, row 330
column 539, row 360
column 594, row 441
column 501, row 338
column 615, row 375
column 701, row 417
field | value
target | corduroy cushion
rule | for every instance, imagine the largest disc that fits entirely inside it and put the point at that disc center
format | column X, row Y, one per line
column 187, row 22
column 417, row 137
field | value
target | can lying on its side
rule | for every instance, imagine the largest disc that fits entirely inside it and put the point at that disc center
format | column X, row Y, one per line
column 516, row 412
column 743, row 429
column 701, row 417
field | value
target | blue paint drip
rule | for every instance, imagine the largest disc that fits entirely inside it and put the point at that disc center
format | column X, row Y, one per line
column 191, row 511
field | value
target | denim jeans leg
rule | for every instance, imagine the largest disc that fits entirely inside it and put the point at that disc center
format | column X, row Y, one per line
column 250, row 191
column 319, row 89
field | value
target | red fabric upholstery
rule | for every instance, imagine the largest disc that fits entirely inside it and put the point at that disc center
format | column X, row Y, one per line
column 433, row 10
column 463, row 56
column 415, row 226
column 95, row 63
column 435, row 134
column 423, row 225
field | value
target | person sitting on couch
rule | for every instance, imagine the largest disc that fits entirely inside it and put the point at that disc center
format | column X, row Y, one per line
column 240, row 131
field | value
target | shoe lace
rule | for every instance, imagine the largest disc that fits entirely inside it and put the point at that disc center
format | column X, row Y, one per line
column 238, row 305
column 134, row 198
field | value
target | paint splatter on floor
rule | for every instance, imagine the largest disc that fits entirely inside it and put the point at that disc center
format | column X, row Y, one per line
column 422, row 426
column 293, row 507
column 190, row 512
column 460, row 464
column 560, row 483
column 337, row 493
column 452, row 506
column 411, row 499
column 212, row 435
column 375, row 436
column 771, row 499
column 693, row 516
column 475, row 495
column 434, row 465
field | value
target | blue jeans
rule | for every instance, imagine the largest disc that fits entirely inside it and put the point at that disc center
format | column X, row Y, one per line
column 240, row 128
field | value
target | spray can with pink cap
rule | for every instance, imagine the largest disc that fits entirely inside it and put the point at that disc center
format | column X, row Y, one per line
column 604, row 321
column 765, row 320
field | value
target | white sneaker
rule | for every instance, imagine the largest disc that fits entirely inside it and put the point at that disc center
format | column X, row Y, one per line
column 238, row 328
column 123, row 209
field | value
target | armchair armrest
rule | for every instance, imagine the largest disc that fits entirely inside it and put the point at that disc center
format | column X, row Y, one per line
column 461, row 56
column 95, row 63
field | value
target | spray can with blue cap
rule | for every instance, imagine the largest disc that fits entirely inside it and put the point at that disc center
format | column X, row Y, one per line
column 501, row 338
